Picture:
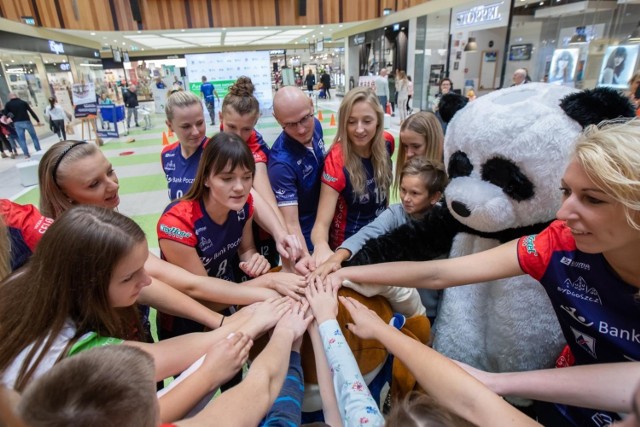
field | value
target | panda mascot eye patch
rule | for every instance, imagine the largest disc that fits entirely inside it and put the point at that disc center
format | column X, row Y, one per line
column 506, row 175
column 459, row 165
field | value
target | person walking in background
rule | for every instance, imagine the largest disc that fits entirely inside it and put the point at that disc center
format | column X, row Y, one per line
column 56, row 115
column 208, row 91
column 18, row 111
column 391, row 79
column 382, row 89
column 402, row 86
column 410, row 90
column 131, row 102
column 310, row 81
column 325, row 79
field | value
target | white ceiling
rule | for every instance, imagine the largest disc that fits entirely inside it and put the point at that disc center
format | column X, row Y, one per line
column 273, row 37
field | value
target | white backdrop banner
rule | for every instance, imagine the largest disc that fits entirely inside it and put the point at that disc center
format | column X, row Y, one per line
column 223, row 69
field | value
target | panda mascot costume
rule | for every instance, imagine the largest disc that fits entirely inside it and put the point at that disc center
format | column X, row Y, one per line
column 505, row 155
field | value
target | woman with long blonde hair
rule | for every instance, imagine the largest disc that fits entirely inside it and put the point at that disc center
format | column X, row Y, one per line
column 357, row 174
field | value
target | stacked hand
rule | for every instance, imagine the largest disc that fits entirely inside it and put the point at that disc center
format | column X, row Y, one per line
column 289, row 246
column 289, row 284
column 294, row 320
column 323, row 300
column 226, row 357
column 266, row 314
column 365, row 321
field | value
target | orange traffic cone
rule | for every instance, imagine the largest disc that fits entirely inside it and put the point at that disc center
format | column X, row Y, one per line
column 389, row 112
column 320, row 115
column 333, row 120
column 170, row 133
column 165, row 139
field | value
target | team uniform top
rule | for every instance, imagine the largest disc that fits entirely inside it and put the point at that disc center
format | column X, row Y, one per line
column 258, row 147
column 187, row 222
column 25, row 225
column 294, row 173
column 207, row 89
column 598, row 312
column 180, row 172
column 352, row 212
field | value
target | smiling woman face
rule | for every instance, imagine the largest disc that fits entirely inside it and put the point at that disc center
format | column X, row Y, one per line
column 90, row 180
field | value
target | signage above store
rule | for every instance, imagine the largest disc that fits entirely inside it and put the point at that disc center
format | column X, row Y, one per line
column 479, row 15
column 56, row 48
column 277, row 52
column 358, row 39
column 65, row 66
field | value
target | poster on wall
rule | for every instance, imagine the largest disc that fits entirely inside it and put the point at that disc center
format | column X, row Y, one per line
column 84, row 99
column 563, row 66
column 223, row 69
column 618, row 65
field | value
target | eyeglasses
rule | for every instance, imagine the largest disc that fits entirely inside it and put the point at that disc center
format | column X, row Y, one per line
column 302, row 122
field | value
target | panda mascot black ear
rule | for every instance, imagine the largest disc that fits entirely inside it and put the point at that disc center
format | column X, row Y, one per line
column 449, row 104
column 592, row 106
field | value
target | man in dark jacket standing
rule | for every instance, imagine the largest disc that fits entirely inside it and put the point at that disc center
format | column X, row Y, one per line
column 325, row 79
column 19, row 110
column 131, row 102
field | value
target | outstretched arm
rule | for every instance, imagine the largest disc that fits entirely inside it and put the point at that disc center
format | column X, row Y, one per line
column 440, row 377
column 605, row 386
column 320, row 233
column 263, row 382
column 496, row 263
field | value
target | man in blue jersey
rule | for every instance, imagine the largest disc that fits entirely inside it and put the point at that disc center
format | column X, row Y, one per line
column 208, row 91
column 295, row 163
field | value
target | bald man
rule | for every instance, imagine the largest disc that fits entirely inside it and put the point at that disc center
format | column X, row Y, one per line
column 519, row 77
column 295, row 164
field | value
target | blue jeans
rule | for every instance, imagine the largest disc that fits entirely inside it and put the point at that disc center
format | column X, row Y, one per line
column 27, row 126
column 383, row 102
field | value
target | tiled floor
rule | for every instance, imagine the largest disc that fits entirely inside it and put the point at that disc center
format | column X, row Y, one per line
column 143, row 194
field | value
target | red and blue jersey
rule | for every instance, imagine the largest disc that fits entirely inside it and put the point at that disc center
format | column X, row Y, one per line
column 294, row 173
column 352, row 211
column 598, row 312
column 25, row 225
column 180, row 172
column 187, row 222
column 258, row 147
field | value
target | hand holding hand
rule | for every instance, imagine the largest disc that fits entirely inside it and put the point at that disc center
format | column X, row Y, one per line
column 365, row 321
column 267, row 314
column 289, row 284
column 294, row 320
column 256, row 266
column 226, row 357
column 289, row 246
column 323, row 299
column 305, row 265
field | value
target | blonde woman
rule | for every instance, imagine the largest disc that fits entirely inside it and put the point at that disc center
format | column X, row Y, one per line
column 357, row 174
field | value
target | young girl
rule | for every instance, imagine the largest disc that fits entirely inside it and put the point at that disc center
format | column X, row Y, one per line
column 79, row 291
column 357, row 174
column 587, row 261
column 180, row 160
column 75, row 172
column 204, row 230
column 420, row 136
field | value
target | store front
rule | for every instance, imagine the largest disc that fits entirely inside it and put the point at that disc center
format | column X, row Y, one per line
column 580, row 44
column 381, row 48
column 36, row 69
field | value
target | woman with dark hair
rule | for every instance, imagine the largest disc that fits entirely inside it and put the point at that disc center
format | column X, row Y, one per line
column 612, row 73
column 563, row 68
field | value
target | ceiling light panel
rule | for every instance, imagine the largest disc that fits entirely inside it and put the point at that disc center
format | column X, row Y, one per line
column 183, row 35
column 295, row 32
column 254, row 34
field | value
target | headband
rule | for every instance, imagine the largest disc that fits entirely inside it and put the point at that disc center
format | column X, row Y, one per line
column 57, row 163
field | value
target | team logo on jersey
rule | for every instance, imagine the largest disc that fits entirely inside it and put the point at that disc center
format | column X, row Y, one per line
column 170, row 166
column 328, row 177
column 364, row 199
column 169, row 154
column 573, row 313
column 321, row 144
column 241, row 215
column 279, row 192
column 529, row 244
column 306, row 171
column 586, row 342
column 580, row 289
column 205, row 244
column 175, row 232
column 576, row 264
column 600, row 419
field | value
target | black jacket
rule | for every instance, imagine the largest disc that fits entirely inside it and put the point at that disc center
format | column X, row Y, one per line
column 19, row 110
column 130, row 99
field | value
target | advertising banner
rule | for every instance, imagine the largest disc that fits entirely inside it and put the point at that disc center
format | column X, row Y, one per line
column 84, row 99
